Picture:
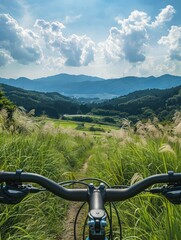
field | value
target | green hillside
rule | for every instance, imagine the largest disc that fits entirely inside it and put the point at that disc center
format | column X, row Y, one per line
column 139, row 105
column 51, row 104
column 143, row 104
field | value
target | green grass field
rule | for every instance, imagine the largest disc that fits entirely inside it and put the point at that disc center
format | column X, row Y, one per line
column 58, row 150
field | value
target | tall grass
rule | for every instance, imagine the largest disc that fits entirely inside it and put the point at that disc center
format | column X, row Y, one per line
column 124, row 157
column 54, row 154
column 118, row 157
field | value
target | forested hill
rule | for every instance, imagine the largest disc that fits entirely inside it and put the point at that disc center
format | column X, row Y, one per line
column 51, row 104
column 143, row 104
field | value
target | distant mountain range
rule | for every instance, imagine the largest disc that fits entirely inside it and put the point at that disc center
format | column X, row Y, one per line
column 87, row 86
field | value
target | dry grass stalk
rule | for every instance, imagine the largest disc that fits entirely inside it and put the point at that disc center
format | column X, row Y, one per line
column 22, row 123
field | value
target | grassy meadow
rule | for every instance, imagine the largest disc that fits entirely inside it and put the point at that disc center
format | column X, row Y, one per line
column 118, row 156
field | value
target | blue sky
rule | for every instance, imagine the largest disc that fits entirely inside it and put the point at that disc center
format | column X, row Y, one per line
column 103, row 38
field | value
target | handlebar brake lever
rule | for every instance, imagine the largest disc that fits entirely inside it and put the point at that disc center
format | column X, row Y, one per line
column 13, row 194
column 171, row 192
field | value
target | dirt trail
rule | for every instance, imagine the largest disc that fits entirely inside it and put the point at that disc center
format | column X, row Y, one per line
column 68, row 233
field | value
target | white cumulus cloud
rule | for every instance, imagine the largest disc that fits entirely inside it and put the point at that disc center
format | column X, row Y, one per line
column 129, row 40
column 75, row 50
column 47, row 27
column 173, row 43
column 165, row 15
column 19, row 43
column 131, row 46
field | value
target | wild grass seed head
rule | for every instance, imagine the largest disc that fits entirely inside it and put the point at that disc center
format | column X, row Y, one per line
column 177, row 129
column 166, row 148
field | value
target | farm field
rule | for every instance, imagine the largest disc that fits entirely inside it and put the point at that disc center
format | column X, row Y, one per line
column 90, row 128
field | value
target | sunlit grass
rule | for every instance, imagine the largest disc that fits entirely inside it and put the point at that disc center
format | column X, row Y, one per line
column 39, row 216
column 82, row 126
column 117, row 156
column 124, row 157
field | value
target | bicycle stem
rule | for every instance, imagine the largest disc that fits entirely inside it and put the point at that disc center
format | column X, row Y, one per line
column 96, row 196
column 97, row 215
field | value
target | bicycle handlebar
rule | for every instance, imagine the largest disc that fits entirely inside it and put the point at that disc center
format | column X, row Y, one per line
column 133, row 190
column 110, row 195
column 50, row 185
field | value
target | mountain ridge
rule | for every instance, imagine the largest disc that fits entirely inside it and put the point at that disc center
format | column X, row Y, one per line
column 78, row 85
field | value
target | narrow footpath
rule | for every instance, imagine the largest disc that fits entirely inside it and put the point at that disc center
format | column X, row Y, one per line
column 68, row 233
